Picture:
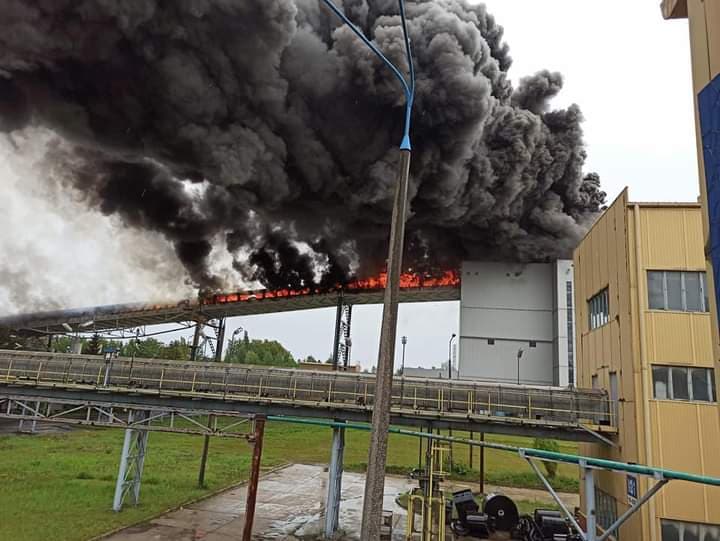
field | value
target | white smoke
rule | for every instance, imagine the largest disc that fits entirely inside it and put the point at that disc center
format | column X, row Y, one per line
column 57, row 253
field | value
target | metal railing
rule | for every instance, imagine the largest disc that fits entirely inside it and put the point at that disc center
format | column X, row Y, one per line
column 342, row 390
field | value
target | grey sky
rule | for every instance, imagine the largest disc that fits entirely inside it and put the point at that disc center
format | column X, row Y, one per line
column 626, row 67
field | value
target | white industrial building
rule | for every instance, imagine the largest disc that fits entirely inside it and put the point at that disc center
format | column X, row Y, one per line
column 510, row 310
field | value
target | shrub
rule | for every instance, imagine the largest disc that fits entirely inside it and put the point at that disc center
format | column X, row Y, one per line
column 548, row 445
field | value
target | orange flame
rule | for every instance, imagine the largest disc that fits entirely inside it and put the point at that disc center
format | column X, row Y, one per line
column 408, row 280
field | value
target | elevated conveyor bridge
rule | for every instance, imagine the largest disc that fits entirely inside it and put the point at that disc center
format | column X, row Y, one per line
column 65, row 380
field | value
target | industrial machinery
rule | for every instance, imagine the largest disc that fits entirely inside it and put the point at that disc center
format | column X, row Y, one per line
column 500, row 517
column 428, row 500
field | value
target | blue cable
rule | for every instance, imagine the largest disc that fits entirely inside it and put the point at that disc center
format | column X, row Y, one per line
column 408, row 89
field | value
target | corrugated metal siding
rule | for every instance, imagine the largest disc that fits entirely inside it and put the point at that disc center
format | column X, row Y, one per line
column 681, row 432
column 686, row 438
column 678, row 338
column 670, row 240
column 601, row 261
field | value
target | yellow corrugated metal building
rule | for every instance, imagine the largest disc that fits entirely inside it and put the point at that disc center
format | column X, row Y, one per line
column 644, row 334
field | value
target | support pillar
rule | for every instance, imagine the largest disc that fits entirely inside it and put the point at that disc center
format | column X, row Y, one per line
column 203, row 457
column 375, row 478
column 220, row 341
column 335, row 471
column 590, row 517
column 254, row 477
column 482, row 464
column 132, row 462
column 196, row 341
column 338, row 332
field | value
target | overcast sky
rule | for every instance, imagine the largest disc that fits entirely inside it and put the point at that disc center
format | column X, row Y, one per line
column 627, row 68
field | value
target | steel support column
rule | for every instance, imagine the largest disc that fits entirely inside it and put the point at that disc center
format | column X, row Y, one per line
column 196, row 341
column 132, row 461
column 590, row 517
column 335, row 471
column 220, row 340
column 254, row 477
column 338, row 331
column 203, row 457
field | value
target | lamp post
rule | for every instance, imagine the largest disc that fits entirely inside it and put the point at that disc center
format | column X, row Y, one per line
column 450, row 355
column 375, row 479
column 232, row 340
column 403, row 341
column 519, row 356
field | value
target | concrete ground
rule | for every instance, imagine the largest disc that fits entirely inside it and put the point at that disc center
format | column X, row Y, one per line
column 290, row 504
column 290, row 507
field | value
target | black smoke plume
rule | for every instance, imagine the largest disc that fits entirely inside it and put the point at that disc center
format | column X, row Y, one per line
column 266, row 125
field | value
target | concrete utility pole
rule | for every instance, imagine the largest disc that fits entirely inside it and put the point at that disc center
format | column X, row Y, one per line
column 375, row 480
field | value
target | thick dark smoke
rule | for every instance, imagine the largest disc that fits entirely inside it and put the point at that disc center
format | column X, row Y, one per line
column 266, row 125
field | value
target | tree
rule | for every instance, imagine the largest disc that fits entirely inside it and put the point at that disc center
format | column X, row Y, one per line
column 176, row 350
column 150, row 348
column 548, row 445
column 94, row 346
column 310, row 359
column 262, row 352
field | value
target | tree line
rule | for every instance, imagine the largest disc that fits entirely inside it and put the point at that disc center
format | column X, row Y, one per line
column 243, row 351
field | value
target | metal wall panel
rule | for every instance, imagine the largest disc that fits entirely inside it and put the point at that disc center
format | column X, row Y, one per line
column 683, row 433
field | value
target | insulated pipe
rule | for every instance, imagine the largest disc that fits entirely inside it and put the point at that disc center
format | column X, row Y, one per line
column 566, row 458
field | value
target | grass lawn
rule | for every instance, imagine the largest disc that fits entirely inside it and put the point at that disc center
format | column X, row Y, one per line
column 60, row 487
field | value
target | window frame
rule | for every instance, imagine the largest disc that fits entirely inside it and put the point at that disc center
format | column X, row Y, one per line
column 704, row 301
column 670, row 383
column 599, row 309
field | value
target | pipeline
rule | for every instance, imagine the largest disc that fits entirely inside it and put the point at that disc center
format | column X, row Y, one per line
column 552, row 456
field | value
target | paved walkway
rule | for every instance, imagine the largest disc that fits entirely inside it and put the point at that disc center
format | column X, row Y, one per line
column 290, row 507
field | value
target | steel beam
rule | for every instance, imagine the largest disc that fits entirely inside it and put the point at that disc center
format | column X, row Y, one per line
column 335, row 471
column 554, row 495
column 170, row 400
column 637, row 505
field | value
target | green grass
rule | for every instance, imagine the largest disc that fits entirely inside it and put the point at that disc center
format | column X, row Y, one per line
column 60, row 487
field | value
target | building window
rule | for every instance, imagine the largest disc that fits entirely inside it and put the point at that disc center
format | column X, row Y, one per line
column 682, row 291
column 491, row 341
column 674, row 530
column 606, row 510
column 683, row 383
column 570, row 332
column 599, row 309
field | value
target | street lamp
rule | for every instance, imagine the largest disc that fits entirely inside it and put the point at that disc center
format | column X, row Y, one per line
column 375, row 478
column 519, row 355
column 450, row 355
column 232, row 339
column 403, row 340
